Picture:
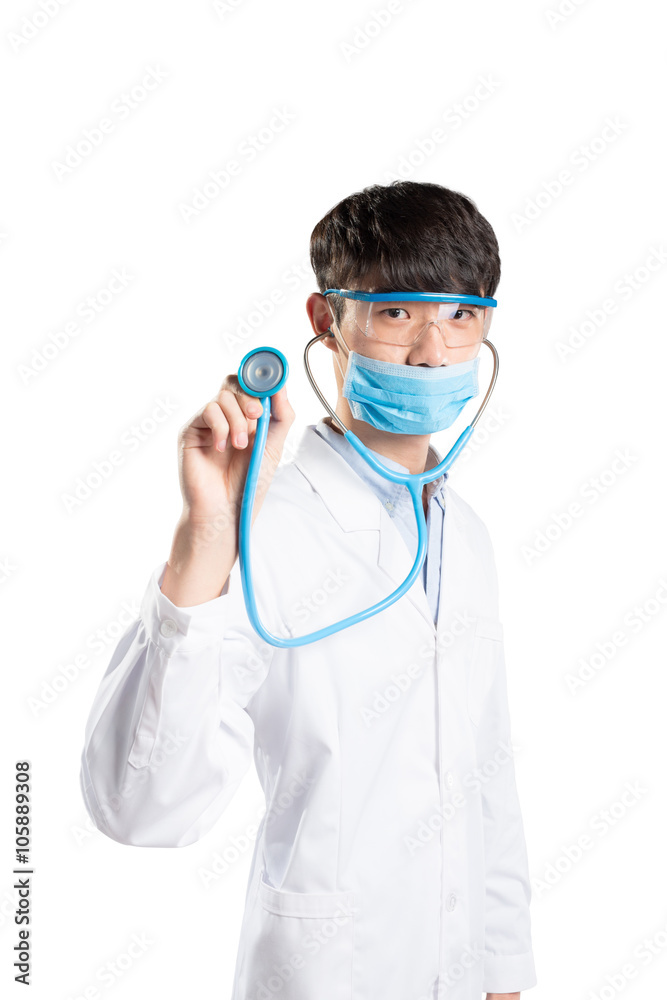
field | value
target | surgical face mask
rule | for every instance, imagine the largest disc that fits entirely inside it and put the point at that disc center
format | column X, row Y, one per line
column 408, row 399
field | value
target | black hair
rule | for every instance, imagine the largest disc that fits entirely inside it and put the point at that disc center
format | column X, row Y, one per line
column 406, row 236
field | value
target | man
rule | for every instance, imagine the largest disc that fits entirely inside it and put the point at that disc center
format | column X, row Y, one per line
column 390, row 863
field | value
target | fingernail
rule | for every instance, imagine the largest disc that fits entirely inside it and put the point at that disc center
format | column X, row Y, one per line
column 222, row 445
column 242, row 439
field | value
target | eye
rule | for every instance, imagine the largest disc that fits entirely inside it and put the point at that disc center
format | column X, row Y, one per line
column 391, row 312
column 465, row 314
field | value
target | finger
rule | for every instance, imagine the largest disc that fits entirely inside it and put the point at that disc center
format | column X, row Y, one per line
column 239, row 428
column 213, row 417
column 251, row 405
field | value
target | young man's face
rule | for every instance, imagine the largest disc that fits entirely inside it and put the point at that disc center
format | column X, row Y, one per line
column 433, row 348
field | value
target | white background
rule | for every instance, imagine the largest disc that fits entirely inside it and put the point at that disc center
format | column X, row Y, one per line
column 361, row 113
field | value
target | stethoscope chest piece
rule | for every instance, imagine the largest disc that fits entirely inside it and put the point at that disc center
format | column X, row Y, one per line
column 263, row 371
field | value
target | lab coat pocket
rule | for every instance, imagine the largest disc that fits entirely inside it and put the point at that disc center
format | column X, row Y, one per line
column 299, row 945
column 487, row 648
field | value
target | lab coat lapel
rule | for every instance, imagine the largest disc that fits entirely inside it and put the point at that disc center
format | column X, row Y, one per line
column 356, row 508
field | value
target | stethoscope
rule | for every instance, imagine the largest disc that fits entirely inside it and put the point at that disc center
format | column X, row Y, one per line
column 262, row 372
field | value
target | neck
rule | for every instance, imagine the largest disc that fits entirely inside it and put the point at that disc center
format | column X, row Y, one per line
column 410, row 450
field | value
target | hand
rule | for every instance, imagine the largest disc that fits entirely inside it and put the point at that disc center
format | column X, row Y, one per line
column 215, row 448
column 503, row 996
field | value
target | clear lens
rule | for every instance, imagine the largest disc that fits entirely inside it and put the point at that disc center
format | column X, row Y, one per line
column 462, row 325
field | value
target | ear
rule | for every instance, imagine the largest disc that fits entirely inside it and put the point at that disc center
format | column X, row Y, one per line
column 320, row 314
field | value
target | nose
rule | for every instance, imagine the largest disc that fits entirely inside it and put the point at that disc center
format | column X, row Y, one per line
column 430, row 348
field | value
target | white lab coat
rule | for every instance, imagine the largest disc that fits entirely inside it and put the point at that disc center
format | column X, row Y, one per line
column 392, row 852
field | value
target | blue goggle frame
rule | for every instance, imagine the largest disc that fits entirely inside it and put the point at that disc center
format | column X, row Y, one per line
column 475, row 300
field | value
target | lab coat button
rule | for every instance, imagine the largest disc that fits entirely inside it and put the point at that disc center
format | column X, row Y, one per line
column 389, row 505
column 449, row 779
column 168, row 627
column 451, row 901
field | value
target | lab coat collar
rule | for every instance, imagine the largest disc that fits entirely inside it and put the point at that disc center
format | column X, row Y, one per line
column 385, row 489
column 356, row 508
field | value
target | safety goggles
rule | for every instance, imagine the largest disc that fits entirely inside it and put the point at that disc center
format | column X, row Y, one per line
column 401, row 318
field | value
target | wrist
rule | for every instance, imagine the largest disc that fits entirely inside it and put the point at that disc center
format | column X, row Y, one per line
column 203, row 552
column 216, row 529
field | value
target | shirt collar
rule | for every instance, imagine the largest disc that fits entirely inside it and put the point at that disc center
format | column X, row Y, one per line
column 385, row 490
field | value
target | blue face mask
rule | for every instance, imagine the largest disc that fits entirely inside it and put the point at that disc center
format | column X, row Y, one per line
column 408, row 399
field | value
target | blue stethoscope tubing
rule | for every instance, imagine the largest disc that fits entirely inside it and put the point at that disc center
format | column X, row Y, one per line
column 413, row 481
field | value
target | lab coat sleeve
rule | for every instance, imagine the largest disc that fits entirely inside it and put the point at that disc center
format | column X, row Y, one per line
column 168, row 738
column 508, row 957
